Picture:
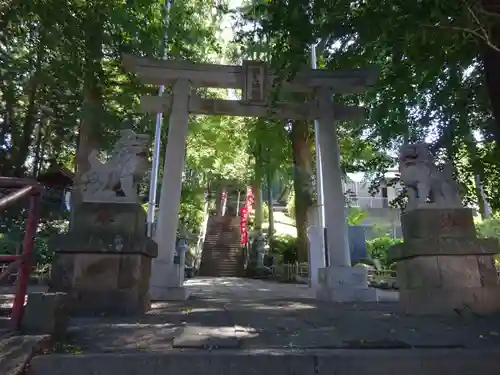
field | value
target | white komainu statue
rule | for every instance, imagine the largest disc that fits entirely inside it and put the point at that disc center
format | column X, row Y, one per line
column 424, row 181
column 116, row 180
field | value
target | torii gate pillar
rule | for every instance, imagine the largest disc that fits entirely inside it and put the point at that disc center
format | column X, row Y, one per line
column 166, row 277
column 338, row 281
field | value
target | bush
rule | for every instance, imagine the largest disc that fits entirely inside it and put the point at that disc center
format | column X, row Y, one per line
column 489, row 228
column 378, row 248
column 286, row 248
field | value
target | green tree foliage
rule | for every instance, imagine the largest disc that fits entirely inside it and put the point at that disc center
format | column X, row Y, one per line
column 61, row 76
column 431, row 75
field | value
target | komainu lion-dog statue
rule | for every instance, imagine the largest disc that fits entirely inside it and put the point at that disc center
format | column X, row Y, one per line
column 116, row 180
column 428, row 187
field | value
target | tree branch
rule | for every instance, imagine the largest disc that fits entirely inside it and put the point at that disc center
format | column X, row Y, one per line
column 477, row 34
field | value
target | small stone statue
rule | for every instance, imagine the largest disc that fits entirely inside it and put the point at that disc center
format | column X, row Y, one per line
column 425, row 181
column 116, row 180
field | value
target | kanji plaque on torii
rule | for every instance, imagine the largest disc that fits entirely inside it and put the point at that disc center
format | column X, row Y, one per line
column 254, row 87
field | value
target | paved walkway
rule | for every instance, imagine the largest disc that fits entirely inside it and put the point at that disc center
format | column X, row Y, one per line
column 236, row 314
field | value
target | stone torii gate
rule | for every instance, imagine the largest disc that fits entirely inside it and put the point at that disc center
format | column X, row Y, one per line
column 339, row 281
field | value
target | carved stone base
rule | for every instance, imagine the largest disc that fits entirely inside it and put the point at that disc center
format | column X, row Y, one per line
column 344, row 284
column 104, row 269
column 166, row 283
column 442, row 267
column 103, row 283
column 169, row 293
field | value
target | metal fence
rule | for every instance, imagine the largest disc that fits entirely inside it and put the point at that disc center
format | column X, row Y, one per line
column 299, row 272
column 367, row 202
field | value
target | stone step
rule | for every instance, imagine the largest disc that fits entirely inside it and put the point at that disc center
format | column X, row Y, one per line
column 221, row 261
column 228, row 266
column 221, row 257
column 223, row 248
column 276, row 362
column 224, row 244
column 221, row 252
column 221, row 264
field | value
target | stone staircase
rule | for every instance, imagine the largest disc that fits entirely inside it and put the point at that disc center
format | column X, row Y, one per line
column 223, row 255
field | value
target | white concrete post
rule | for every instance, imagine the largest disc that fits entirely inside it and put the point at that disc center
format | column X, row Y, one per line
column 320, row 209
column 339, row 281
column 163, row 272
column 333, row 199
column 316, row 258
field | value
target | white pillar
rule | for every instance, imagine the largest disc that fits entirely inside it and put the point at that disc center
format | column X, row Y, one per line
column 339, row 281
column 320, row 247
column 164, row 282
column 333, row 199
column 316, row 258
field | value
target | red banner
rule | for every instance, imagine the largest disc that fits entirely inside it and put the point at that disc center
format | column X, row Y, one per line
column 246, row 210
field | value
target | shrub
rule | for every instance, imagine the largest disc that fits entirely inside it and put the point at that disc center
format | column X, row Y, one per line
column 489, row 228
column 378, row 248
column 286, row 247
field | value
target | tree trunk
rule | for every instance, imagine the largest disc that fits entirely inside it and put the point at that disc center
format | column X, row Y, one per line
column 302, row 161
column 491, row 61
column 92, row 107
column 270, row 207
column 257, row 190
column 37, row 159
column 478, row 170
column 257, row 203
column 30, row 117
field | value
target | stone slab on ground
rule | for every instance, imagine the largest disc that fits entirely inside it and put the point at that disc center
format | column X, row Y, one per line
column 224, row 362
column 193, row 337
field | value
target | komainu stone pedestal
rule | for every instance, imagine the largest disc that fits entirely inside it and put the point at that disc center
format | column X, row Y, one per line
column 442, row 267
column 104, row 262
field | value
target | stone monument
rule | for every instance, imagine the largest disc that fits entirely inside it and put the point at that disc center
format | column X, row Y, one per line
column 104, row 262
column 442, row 267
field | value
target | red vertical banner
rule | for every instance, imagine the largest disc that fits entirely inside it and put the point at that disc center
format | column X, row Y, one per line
column 250, row 200
column 243, row 226
column 246, row 210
